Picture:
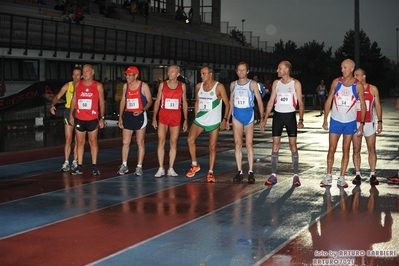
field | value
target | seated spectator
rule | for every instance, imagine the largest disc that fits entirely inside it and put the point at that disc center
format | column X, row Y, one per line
column 126, row 5
column 180, row 14
column 190, row 16
column 79, row 18
column 112, row 12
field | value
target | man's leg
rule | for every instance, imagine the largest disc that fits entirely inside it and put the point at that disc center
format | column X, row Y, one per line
column 249, row 144
column 93, row 145
column 126, row 139
column 192, row 136
column 68, row 129
column 80, row 141
column 174, row 135
column 332, row 148
column 238, row 129
column 162, row 130
column 346, row 144
column 213, row 139
column 140, row 136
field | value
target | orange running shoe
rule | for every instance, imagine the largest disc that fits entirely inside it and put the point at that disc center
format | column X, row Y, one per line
column 193, row 170
column 210, row 177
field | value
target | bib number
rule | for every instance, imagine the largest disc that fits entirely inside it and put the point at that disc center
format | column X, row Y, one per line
column 205, row 105
column 171, row 104
column 132, row 104
column 84, row 104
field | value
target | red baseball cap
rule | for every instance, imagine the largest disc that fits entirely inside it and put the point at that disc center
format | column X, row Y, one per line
column 132, row 70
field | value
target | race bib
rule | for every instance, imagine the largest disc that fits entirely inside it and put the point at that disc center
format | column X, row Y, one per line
column 84, row 104
column 205, row 105
column 285, row 98
column 241, row 99
column 358, row 105
column 132, row 103
column 344, row 101
column 171, row 104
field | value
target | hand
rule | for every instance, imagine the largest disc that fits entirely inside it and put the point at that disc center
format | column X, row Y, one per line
column 71, row 120
column 185, row 125
column 154, row 123
column 300, row 125
column 101, row 123
column 325, row 125
column 262, row 125
column 120, row 123
column 379, row 128
column 52, row 109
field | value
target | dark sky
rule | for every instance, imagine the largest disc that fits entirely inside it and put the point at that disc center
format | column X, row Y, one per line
column 325, row 21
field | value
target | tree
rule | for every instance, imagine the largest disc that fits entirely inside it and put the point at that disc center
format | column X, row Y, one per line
column 315, row 64
column 238, row 36
column 371, row 59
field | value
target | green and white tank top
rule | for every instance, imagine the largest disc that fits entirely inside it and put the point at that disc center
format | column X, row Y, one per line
column 209, row 112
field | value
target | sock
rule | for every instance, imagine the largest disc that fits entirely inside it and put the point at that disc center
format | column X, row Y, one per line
column 358, row 173
column 372, row 173
column 274, row 161
column 139, row 165
column 250, row 171
column 210, row 171
column 124, row 163
column 295, row 161
column 194, row 163
column 67, row 161
column 240, row 172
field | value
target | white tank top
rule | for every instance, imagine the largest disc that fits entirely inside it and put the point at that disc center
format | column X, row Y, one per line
column 286, row 100
column 344, row 103
column 209, row 111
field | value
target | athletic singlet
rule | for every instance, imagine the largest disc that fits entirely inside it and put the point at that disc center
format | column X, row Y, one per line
column 135, row 99
column 171, row 99
column 209, row 113
column 69, row 94
column 243, row 95
column 369, row 99
column 344, row 102
column 286, row 99
column 322, row 90
column 87, row 98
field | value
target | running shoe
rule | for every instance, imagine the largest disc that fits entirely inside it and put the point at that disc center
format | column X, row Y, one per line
column 95, row 170
column 373, row 180
column 327, row 181
column 193, row 170
column 139, row 171
column 393, row 179
column 238, row 177
column 77, row 171
column 357, row 181
column 171, row 172
column 341, row 182
column 210, row 177
column 251, row 178
column 123, row 169
column 272, row 180
column 160, row 172
column 296, row 182
column 65, row 167
column 74, row 165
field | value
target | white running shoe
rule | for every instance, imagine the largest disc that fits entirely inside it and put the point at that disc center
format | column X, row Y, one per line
column 65, row 167
column 327, row 181
column 341, row 182
column 139, row 171
column 160, row 172
column 74, row 165
column 123, row 169
column 171, row 172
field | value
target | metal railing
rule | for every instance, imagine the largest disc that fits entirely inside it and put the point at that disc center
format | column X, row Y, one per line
column 46, row 34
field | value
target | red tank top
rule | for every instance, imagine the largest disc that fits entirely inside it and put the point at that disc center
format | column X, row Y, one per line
column 134, row 101
column 171, row 99
column 369, row 99
column 87, row 99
